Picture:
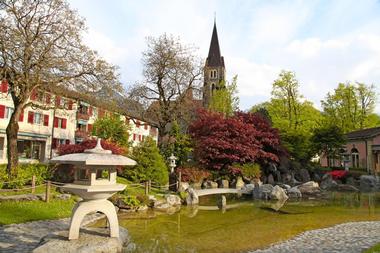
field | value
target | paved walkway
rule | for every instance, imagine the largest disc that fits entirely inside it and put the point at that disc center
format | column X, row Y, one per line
column 24, row 237
column 350, row 237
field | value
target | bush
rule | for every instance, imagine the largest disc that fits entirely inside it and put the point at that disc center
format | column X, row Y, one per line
column 193, row 174
column 150, row 164
column 131, row 201
column 88, row 144
column 24, row 175
column 249, row 170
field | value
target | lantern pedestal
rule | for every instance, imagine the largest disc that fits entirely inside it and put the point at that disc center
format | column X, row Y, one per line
column 85, row 207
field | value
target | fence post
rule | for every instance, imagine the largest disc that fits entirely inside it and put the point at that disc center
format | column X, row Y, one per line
column 146, row 188
column 179, row 181
column 33, row 183
column 149, row 185
column 47, row 193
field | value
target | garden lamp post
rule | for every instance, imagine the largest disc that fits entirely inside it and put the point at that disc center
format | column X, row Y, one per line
column 172, row 163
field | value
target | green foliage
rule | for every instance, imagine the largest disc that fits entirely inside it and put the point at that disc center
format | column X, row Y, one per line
column 131, row 201
column 250, row 170
column 183, row 195
column 24, row 175
column 150, row 164
column 225, row 99
column 351, row 107
column 295, row 117
column 113, row 129
column 178, row 144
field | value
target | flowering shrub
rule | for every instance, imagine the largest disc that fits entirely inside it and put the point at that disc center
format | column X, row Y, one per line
column 88, row 144
column 338, row 174
column 192, row 174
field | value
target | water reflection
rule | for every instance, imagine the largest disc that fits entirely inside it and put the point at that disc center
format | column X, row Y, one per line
column 244, row 225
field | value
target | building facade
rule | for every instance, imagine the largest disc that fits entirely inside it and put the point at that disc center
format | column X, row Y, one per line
column 214, row 70
column 362, row 151
column 70, row 121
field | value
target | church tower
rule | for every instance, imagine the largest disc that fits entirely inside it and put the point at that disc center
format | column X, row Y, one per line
column 214, row 70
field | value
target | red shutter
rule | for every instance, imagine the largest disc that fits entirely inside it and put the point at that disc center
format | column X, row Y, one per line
column 46, row 120
column 57, row 100
column 55, row 123
column 90, row 110
column 4, row 86
column 139, row 137
column 70, row 105
column 89, row 128
column 54, row 143
column 48, row 98
column 134, row 137
column 2, row 111
column 64, row 122
column 21, row 117
column 67, row 142
column 30, row 117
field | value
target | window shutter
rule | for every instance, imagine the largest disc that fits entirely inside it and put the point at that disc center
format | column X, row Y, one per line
column 2, row 111
column 57, row 100
column 55, row 123
column 30, row 117
column 33, row 96
column 67, row 142
column 90, row 110
column 134, row 137
column 21, row 117
column 54, row 143
column 70, row 105
column 139, row 137
column 46, row 120
column 89, row 128
column 4, row 86
column 48, row 98
column 64, row 122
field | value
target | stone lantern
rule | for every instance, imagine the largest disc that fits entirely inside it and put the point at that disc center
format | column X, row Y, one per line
column 172, row 164
column 94, row 181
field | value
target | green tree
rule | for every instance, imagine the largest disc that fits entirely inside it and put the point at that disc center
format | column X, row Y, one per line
column 113, row 129
column 178, row 144
column 225, row 99
column 150, row 163
column 351, row 106
column 328, row 140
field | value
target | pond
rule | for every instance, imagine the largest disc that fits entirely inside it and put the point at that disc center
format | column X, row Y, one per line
column 249, row 225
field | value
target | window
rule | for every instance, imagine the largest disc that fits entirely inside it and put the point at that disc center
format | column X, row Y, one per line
column 213, row 73
column 355, row 157
column 60, row 123
column 37, row 119
column 58, row 142
column 28, row 149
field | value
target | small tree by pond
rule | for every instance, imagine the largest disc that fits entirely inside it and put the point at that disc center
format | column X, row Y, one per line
column 150, row 164
column 222, row 141
column 113, row 129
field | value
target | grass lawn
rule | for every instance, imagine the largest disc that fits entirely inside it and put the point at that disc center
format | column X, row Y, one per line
column 374, row 249
column 24, row 211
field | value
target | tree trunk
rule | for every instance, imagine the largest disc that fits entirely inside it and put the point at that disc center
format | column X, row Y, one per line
column 12, row 153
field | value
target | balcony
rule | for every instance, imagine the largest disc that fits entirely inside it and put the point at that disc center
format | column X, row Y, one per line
column 81, row 134
column 82, row 116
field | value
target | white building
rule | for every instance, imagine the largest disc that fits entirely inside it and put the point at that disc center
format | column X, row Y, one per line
column 42, row 131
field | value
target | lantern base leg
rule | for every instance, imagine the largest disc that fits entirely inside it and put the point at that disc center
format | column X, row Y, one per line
column 82, row 208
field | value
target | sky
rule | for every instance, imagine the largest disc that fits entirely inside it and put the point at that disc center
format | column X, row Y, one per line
column 324, row 42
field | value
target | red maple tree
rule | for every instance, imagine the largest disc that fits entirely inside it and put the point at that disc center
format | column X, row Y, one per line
column 243, row 138
column 89, row 144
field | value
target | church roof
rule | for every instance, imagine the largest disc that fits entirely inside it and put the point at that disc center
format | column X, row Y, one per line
column 364, row 133
column 214, row 58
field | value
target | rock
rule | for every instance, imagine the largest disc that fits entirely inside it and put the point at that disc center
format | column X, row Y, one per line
column 277, row 205
column 239, row 183
column 211, row 185
column 278, row 176
column 351, row 181
column 152, row 198
column 248, row 188
column 64, row 196
column 285, row 186
column 222, row 202
column 347, row 188
column 197, row 185
column 263, row 191
column 21, row 197
column 192, row 197
column 122, row 205
column 294, row 192
column 270, row 179
column 368, row 183
column 158, row 203
column 310, row 187
column 142, row 208
column 91, row 240
column 328, row 183
column 183, row 186
column 316, row 177
column 287, row 178
column 173, row 200
column 163, row 206
column 304, row 175
column 223, row 184
column 278, row 193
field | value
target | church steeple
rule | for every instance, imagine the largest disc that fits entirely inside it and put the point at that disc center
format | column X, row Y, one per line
column 214, row 70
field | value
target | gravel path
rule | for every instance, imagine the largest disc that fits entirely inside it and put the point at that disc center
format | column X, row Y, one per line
column 349, row 237
column 24, row 237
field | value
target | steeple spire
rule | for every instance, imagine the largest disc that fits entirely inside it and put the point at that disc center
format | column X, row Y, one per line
column 214, row 58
